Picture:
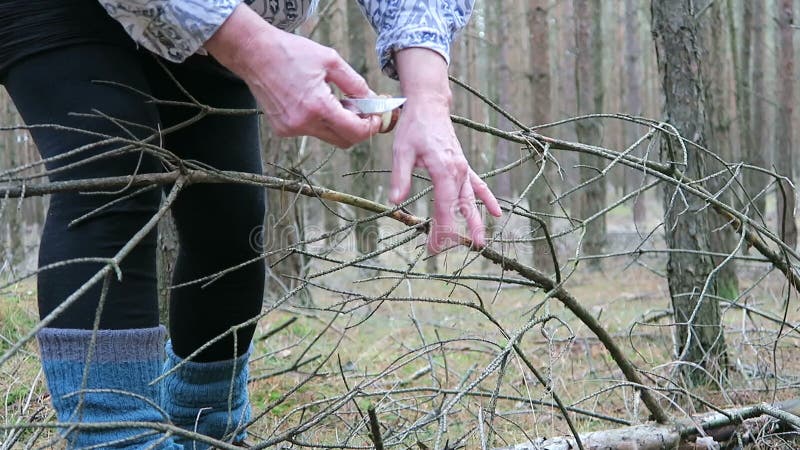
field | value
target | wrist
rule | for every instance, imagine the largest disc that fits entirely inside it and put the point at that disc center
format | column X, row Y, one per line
column 232, row 44
column 423, row 75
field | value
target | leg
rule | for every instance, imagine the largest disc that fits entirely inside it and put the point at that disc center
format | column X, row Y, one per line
column 46, row 95
column 128, row 352
column 215, row 223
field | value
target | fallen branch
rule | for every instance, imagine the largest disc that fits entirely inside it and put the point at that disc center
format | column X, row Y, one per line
column 641, row 437
column 696, row 433
column 193, row 176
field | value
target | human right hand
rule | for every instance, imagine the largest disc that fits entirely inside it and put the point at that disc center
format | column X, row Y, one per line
column 289, row 76
column 425, row 138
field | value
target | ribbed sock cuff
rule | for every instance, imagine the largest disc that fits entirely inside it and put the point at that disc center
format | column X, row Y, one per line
column 110, row 346
column 208, row 397
column 122, row 364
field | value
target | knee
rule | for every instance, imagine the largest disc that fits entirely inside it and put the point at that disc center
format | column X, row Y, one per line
column 220, row 224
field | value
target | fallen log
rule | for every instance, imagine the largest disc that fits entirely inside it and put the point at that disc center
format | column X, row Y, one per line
column 705, row 432
column 639, row 437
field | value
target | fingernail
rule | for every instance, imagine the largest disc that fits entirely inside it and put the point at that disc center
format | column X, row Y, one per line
column 394, row 195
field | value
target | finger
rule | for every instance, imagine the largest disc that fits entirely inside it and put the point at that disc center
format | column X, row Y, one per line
column 329, row 135
column 472, row 215
column 403, row 160
column 347, row 124
column 347, row 79
column 446, row 194
column 482, row 191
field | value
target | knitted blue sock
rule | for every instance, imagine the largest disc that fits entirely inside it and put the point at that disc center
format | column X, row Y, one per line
column 117, row 389
column 207, row 397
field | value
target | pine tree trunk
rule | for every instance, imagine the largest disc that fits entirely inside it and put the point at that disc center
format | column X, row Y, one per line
column 717, row 74
column 283, row 224
column 502, row 184
column 740, row 50
column 8, row 236
column 361, row 156
column 474, row 149
column 783, row 147
column 752, row 150
column 758, row 154
column 539, row 197
column 489, row 68
column 20, row 222
column 633, row 100
column 330, row 220
column 699, row 333
column 589, row 94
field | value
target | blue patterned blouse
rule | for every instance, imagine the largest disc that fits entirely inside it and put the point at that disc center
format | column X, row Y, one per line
column 176, row 29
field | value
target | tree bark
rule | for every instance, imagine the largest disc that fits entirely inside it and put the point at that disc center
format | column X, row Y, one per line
column 633, row 100
column 717, row 78
column 758, row 153
column 166, row 256
column 9, row 219
column 489, row 71
column 787, row 228
column 752, row 150
column 699, row 333
column 642, row 437
column 474, row 150
column 740, row 50
column 330, row 220
column 540, row 196
column 589, row 100
column 505, row 96
column 20, row 223
column 361, row 156
column 283, row 224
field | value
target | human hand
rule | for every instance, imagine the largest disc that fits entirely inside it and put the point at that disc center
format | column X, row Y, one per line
column 424, row 137
column 289, row 76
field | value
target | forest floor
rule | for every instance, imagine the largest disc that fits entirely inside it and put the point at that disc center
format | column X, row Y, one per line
column 413, row 352
column 575, row 362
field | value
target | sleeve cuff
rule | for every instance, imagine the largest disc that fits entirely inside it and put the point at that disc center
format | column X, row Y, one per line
column 431, row 39
column 174, row 30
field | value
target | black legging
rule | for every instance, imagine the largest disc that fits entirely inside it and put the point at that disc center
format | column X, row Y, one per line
column 214, row 222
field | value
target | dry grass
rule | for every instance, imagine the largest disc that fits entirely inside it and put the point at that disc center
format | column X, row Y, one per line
column 25, row 397
column 579, row 368
column 457, row 343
